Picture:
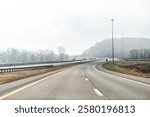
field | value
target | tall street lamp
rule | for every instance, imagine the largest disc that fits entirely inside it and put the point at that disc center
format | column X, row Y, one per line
column 112, row 20
column 122, row 46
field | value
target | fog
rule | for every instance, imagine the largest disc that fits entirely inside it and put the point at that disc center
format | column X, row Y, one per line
column 74, row 24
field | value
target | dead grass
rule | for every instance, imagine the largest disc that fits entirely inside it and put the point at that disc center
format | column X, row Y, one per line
column 12, row 76
column 119, row 67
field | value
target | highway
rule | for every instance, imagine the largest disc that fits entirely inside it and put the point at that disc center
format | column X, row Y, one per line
column 79, row 82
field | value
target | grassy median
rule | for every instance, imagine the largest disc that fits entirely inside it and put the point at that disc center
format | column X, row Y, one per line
column 137, row 68
column 12, row 76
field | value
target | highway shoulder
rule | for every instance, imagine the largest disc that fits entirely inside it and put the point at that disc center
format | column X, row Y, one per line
column 127, row 76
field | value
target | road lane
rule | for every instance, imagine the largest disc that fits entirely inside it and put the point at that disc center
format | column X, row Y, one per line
column 67, row 84
column 116, row 87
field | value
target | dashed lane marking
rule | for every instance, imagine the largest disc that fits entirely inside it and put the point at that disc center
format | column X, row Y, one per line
column 98, row 92
column 86, row 79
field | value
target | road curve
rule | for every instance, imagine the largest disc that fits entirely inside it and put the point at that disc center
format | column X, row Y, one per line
column 80, row 82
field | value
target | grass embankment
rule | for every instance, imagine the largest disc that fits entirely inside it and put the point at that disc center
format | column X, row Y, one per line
column 12, row 76
column 137, row 68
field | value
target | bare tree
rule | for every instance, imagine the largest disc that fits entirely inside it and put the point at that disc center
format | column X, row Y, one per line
column 139, row 54
column 12, row 55
column 49, row 55
column 133, row 54
column 61, row 51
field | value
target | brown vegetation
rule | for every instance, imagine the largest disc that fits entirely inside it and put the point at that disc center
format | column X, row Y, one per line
column 137, row 68
column 143, row 68
column 12, row 76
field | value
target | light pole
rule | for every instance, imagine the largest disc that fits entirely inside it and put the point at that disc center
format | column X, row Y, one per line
column 122, row 46
column 112, row 20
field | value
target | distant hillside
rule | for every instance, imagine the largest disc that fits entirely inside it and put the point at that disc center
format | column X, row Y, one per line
column 103, row 48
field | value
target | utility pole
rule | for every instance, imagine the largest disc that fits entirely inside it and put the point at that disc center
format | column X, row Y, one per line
column 122, row 46
column 112, row 20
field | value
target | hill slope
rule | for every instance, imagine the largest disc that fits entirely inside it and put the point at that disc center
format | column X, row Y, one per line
column 103, row 48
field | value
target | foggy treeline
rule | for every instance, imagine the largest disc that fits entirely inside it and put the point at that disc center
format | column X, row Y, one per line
column 13, row 55
column 128, row 48
column 139, row 54
column 122, row 47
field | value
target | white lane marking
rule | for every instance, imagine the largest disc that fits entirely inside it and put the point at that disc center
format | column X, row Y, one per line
column 22, row 88
column 135, row 81
column 98, row 92
column 86, row 79
column 130, row 80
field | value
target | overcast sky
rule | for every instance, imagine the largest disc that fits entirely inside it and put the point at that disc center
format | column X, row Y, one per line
column 74, row 24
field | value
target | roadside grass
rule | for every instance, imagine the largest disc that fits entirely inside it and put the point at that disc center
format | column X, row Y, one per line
column 12, row 76
column 125, row 63
column 119, row 66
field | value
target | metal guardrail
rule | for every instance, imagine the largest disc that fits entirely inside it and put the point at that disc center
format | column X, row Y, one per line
column 14, row 69
column 31, row 63
column 33, row 66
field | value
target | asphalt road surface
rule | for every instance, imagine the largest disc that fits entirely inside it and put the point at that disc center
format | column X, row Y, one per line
column 80, row 82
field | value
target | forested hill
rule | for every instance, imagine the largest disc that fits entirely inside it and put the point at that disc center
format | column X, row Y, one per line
column 103, row 48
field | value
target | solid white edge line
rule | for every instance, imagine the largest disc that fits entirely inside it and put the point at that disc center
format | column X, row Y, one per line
column 138, row 82
column 26, row 86
column 22, row 88
column 98, row 92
